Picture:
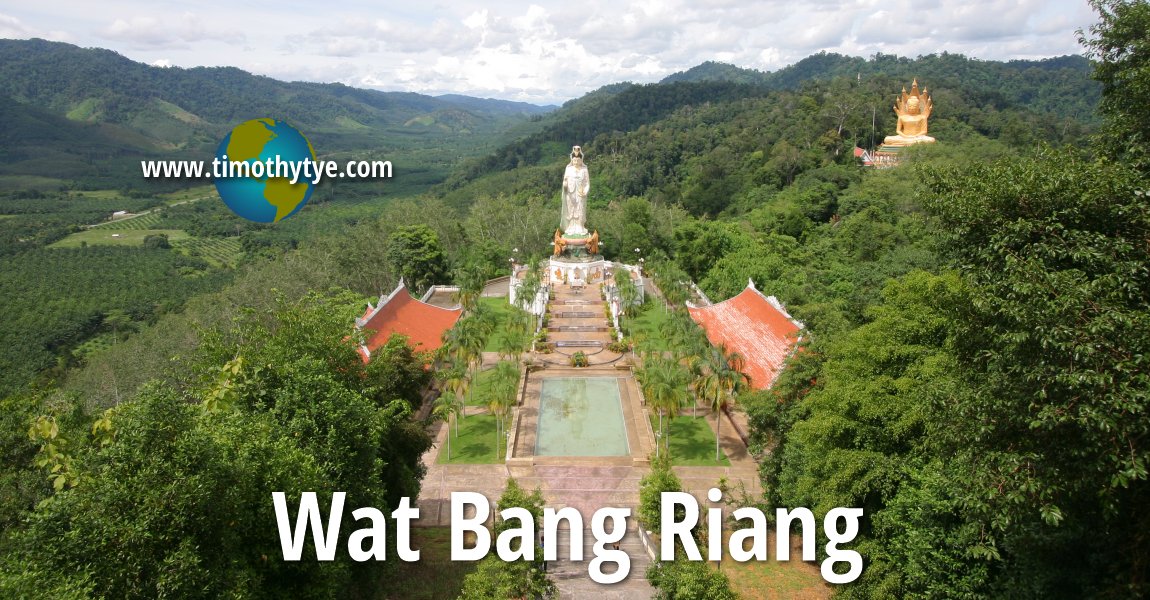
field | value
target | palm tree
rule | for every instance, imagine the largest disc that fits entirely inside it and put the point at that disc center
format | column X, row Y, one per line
column 727, row 378
column 447, row 406
column 665, row 385
column 675, row 294
column 501, row 396
column 471, row 282
column 471, row 340
column 457, row 380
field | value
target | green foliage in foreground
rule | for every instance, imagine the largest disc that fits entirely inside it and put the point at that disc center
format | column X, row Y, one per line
column 170, row 495
column 651, row 487
column 495, row 579
column 991, row 419
column 691, row 441
column 683, row 579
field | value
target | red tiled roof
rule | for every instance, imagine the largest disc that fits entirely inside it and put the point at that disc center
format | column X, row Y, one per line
column 422, row 323
column 755, row 326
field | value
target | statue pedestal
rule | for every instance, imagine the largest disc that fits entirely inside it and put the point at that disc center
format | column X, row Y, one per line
column 582, row 269
column 902, row 140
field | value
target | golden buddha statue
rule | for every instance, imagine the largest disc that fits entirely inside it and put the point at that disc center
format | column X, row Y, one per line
column 912, row 109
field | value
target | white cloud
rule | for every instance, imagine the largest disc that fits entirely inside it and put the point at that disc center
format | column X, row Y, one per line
column 545, row 50
column 12, row 27
column 172, row 31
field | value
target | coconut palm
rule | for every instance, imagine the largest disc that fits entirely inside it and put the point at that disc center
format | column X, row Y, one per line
column 457, row 381
column 471, row 340
column 514, row 337
column 726, row 379
column 501, row 396
column 447, row 406
column 471, row 282
column 664, row 384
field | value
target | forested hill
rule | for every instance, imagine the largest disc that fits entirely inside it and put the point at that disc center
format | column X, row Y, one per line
column 1060, row 85
column 665, row 135
column 166, row 110
column 1023, row 101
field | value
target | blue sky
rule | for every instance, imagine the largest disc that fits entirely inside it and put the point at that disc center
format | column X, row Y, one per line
column 541, row 51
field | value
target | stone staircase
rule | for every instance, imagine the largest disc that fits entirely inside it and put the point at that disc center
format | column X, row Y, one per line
column 577, row 322
column 588, row 488
column 573, row 578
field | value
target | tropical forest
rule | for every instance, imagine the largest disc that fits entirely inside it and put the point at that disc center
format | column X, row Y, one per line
column 974, row 369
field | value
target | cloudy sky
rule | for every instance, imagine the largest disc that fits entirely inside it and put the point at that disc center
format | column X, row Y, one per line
column 543, row 51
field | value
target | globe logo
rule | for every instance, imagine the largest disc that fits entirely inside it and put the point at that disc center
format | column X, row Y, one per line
column 258, row 192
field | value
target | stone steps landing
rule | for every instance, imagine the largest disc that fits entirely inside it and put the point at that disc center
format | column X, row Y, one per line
column 574, row 581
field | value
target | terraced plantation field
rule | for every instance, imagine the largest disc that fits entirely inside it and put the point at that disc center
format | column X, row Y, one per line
column 117, row 237
column 223, row 252
column 148, row 221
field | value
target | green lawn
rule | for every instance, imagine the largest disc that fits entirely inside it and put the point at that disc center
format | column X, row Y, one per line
column 476, row 396
column 124, row 237
column 692, row 441
column 772, row 579
column 475, row 444
column 434, row 576
column 647, row 328
column 503, row 311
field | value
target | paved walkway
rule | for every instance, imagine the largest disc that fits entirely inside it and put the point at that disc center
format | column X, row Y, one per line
column 585, row 483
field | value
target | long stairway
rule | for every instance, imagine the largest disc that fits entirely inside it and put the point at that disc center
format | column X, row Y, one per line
column 574, row 581
column 578, row 322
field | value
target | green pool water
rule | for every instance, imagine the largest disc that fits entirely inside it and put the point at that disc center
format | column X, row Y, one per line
column 581, row 416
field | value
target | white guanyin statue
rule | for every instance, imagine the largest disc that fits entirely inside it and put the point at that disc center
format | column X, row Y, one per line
column 576, row 185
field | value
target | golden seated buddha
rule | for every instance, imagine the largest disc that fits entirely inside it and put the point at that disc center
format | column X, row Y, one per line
column 912, row 109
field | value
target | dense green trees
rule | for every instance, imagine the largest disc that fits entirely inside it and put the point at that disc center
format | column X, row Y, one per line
column 415, row 253
column 173, row 495
column 1118, row 42
column 1057, row 335
column 974, row 376
column 495, row 579
column 55, row 299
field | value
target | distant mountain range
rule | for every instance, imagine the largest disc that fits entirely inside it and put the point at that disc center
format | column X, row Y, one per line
column 88, row 113
column 1055, row 93
column 82, row 108
column 1060, row 85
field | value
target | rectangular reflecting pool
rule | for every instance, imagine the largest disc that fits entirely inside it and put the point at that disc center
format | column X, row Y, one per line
column 581, row 416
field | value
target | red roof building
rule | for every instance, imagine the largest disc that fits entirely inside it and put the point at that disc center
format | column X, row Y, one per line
column 422, row 323
column 755, row 326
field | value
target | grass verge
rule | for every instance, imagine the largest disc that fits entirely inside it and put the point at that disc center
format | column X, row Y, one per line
column 475, row 444
column 775, row 580
column 692, row 441
column 434, row 576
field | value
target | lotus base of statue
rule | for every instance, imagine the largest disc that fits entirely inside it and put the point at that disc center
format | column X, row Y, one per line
column 564, row 244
